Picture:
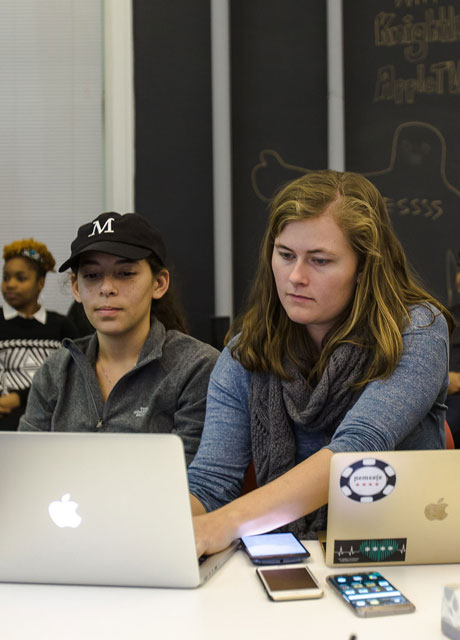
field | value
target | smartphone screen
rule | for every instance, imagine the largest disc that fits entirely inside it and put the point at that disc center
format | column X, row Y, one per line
column 289, row 583
column 274, row 548
column 370, row 594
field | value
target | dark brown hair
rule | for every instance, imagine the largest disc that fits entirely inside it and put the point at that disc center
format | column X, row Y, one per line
column 167, row 309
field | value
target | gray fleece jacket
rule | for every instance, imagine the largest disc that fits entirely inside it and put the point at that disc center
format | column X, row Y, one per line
column 164, row 393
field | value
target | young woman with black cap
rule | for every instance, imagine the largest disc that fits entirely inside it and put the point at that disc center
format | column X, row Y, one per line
column 139, row 371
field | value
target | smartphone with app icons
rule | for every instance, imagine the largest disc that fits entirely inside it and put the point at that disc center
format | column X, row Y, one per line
column 289, row 583
column 274, row 548
column 370, row 594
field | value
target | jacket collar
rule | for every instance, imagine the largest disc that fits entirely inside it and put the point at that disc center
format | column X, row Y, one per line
column 153, row 346
column 152, row 349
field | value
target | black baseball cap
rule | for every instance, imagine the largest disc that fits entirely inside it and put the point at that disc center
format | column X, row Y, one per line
column 128, row 236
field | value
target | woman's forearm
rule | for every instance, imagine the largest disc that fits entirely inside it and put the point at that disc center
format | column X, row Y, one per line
column 291, row 496
column 197, row 507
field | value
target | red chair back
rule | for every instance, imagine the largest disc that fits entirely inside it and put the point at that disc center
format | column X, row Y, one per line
column 449, row 439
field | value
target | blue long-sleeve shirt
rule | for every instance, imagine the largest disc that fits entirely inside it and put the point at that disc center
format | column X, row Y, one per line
column 406, row 411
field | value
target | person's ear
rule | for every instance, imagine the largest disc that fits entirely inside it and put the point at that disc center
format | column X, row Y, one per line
column 74, row 285
column 161, row 284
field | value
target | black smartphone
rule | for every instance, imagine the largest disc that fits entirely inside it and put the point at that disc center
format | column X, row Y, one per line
column 289, row 583
column 370, row 594
column 274, row 548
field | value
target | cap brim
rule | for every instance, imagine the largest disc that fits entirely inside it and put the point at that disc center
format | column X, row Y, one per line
column 114, row 248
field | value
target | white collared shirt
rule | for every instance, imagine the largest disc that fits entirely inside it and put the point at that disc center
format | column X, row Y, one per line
column 10, row 312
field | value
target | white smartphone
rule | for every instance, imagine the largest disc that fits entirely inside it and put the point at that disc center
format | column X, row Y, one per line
column 370, row 594
column 289, row 583
column 274, row 548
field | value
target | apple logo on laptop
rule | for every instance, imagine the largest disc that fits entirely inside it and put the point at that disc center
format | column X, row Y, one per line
column 436, row 510
column 63, row 512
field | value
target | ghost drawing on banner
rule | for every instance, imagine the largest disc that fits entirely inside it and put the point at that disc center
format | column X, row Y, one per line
column 424, row 207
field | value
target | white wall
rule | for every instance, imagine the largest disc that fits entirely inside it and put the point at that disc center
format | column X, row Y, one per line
column 51, row 125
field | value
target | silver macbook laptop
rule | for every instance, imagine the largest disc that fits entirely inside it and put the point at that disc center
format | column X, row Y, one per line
column 100, row 509
column 394, row 507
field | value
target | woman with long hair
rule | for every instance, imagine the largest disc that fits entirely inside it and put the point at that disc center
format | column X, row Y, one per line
column 29, row 333
column 340, row 349
column 139, row 371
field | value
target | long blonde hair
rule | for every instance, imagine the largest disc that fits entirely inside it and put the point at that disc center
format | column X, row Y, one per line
column 379, row 310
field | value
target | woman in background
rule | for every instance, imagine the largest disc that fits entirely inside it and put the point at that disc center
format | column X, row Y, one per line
column 28, row 332
column 339, row 350
column 139, row 371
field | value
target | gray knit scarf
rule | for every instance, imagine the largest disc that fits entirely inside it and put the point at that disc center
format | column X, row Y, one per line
column 276, row 406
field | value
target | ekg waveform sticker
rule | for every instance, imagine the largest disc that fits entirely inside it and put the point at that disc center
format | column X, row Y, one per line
column 377, row 550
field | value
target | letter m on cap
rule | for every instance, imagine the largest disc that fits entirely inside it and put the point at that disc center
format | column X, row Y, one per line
column 106, row 228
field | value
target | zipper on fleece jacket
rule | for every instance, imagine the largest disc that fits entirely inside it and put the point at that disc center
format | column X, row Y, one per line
column 77, row 354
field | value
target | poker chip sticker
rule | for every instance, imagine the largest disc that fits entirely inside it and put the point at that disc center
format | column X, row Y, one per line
column 368, row 480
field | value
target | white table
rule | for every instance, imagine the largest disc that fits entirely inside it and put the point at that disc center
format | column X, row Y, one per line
column 231, row 605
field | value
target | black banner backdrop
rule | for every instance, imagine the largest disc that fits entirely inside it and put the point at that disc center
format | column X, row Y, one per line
column 279, row 121
column 173, row 184
column 279, row 112
column 402, row 105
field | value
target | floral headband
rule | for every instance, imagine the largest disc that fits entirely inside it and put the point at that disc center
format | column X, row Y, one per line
column 32, row 254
